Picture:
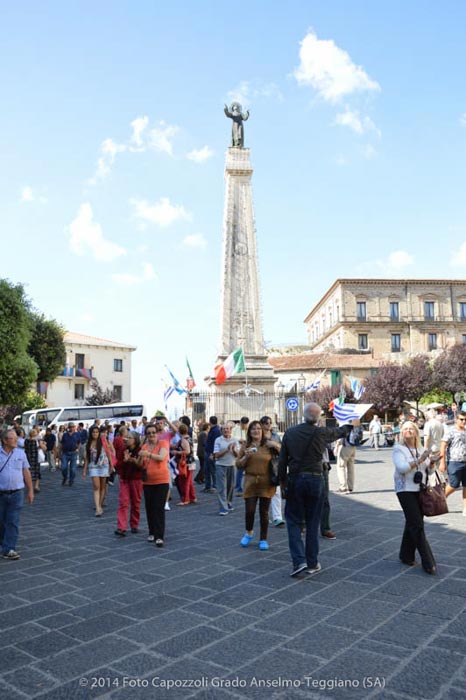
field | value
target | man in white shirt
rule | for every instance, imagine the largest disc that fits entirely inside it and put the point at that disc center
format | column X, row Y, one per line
column 225, row 453
column 433, row 431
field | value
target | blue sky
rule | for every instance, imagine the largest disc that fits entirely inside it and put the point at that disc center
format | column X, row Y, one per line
column 112, row 145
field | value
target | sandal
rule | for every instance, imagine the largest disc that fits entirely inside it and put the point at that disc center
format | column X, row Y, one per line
column 181, row 503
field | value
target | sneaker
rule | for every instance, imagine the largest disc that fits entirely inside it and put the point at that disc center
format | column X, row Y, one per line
column 222, row 511
column 159, row 543
column 230, row 508
column 314, row 569
column 298, row 569
column 263, row 545
column 12, row 555
column 120, row 533
column 167, row 507
column 211, row 490
column 278, row 522
column 329, row 535
column 246, row 539
column 151, row 538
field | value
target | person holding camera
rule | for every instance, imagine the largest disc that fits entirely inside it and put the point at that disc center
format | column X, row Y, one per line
column 410, row 465
column 154, row 461
column 254, row 457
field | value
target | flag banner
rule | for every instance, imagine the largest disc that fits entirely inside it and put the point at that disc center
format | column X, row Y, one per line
column 176, row 385
column 312, row 387
column 357, row 388
column 190, row 381
column 86, row 373
column 234, row 364
column 350, row 411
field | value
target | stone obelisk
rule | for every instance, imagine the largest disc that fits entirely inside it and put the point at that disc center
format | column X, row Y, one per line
column 241, row 313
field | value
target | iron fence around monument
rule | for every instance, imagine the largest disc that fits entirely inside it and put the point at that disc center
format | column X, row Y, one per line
column 284, row 409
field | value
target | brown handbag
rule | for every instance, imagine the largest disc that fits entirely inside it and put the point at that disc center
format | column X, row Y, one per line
column 432, row 499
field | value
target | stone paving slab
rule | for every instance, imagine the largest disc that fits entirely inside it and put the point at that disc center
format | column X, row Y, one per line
column 86, row 615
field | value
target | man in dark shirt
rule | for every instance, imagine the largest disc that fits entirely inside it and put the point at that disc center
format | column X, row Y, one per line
column 70, row 443
column 83, row 435
column 209, row 464
column 301, row 472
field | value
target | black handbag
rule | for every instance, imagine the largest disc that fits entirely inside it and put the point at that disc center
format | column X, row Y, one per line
column 273, row 471
column 432, row 499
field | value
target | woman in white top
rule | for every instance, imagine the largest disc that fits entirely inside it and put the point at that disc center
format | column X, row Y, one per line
column 409, row 459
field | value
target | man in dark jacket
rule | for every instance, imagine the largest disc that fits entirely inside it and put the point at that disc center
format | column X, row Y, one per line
column 301, row 474
column 209, row 464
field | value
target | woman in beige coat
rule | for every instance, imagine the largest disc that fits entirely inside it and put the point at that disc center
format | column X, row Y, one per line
column 254, row 458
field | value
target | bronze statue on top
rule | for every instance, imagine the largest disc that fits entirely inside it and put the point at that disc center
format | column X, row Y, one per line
column 235, row 113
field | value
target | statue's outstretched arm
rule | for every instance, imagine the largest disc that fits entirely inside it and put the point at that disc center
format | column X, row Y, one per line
column 227, row 111
column 245, row 116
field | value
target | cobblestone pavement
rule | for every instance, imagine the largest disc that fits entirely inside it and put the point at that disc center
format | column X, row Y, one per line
column 86, row 615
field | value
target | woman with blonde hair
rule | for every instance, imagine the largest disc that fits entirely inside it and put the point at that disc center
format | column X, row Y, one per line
column 411, row 464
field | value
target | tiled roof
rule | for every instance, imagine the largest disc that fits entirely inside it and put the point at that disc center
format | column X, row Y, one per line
column 321, row 361
column 80, row 339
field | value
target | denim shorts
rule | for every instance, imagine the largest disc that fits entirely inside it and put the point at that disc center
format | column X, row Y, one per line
column 457, row 474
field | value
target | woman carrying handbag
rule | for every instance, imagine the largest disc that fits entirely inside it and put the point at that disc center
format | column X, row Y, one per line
column 411, row 464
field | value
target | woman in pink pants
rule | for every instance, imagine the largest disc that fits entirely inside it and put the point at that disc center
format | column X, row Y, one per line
column 130, row 478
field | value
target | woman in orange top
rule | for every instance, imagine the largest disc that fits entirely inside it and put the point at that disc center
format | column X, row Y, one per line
column 154, row 460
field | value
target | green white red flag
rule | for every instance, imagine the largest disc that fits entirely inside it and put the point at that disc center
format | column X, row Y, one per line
column 234, row 364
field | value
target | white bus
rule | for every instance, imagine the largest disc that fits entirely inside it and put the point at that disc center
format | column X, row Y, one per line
column 114, row 413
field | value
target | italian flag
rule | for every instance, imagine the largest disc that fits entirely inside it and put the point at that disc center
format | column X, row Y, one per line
column 234, row 364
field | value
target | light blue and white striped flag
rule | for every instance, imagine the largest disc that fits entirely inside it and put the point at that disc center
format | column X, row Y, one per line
column 312, row 387
column 349, row 411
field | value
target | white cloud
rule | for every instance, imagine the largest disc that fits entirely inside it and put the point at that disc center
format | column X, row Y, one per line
column 28, row 195
column 128, row 279
column 399, row 259
column 87, row 238
column 162, row 213
column 244, row 92
column 330, row 70
column 161, row 137
column 139, row 125
column 195, row 240
column 459, row 257
column 200, row 155
column 391, row 266
column 354, row 121
column 108, row 150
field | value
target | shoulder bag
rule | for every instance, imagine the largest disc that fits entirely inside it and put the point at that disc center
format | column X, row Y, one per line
column 432, row 499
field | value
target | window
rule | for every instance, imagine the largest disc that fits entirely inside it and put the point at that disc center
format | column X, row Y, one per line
column 361, row 310
column 335, row 377
column 394, row 311
column 429, row 310
column 362, row 341
column 117, row 392
column 432, row 340
column 396, row 342
column 79, row 361
column 79, row 391
column 462, row 311
column 337, row 310
column 118, row 365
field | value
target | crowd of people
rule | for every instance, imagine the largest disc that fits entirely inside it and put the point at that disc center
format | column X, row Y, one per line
column 280, row 479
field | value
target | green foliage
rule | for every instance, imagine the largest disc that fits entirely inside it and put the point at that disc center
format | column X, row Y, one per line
column 436, row 396
column 17, row 369
column 46, row 347
column 99, row 396
column 33, row 400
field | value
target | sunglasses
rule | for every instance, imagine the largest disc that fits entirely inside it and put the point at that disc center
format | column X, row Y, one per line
column 151, row 432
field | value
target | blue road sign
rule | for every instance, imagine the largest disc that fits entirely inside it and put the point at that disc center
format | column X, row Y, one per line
column 292, row 404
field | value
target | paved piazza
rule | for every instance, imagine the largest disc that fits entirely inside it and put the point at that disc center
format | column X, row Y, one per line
column 85, row 615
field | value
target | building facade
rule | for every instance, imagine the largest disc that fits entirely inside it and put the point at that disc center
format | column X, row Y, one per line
column 297, row 372
column 389, row 318
column 90, row 358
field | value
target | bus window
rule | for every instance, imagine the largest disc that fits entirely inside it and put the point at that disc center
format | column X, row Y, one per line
column 88, row 415
column 127, row 411
column 69, row 414
column 105, row 413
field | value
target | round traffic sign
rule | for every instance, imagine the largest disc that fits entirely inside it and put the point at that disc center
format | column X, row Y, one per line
column 292, row 404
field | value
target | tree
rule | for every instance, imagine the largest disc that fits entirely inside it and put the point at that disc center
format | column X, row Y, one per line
column 419, row 378
column 46, row 347
column 436, row 396
column 100, row 396
column 449, row 372
column 327, row 394
column 17, row 369
column 387, row 388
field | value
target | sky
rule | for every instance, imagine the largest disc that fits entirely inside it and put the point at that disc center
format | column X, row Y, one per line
column 112, row 147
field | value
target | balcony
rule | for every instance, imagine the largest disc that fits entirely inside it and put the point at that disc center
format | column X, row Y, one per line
column 82, row 372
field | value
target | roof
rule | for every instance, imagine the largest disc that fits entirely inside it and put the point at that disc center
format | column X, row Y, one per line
column 321, row 361
column 79, row 339
column 378, row 280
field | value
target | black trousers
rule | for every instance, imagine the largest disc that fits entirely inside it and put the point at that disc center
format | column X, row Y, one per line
column 414, row 536
column 155, row 497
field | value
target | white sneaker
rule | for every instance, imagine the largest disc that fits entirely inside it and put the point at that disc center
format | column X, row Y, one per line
column 167, row 507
